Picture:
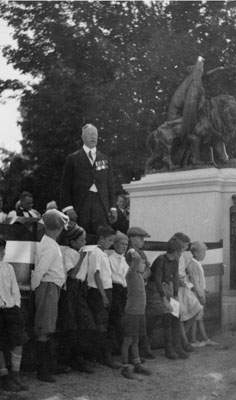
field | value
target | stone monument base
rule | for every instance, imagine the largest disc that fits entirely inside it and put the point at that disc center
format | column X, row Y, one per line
column 195, row 202
column 228, row 320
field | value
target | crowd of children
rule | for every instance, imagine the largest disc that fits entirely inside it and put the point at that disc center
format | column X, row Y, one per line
column 91, row 294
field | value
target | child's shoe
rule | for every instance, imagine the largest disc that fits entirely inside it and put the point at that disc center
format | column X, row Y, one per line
column 181, row 353
column 188, row 348
column 210, row 342
column 81, row 365
column 61, row 369
column 145, row 348
column 198, row 344
column 170, row 353
column 45, row 377
column 110, row 362
column 15, row 376
column 139, row 369
column 8, row 385
column 125, row 372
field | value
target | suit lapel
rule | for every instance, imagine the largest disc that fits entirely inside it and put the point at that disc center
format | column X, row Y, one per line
column 99, row 156
column 85, row 158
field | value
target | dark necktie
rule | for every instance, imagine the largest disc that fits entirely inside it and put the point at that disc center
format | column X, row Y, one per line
column 90, row 156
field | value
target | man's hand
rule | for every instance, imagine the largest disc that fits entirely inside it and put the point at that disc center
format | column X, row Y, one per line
column 72, row 215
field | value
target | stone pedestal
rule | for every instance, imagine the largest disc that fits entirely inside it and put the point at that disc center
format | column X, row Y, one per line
column 228, row 314
column 195, row 202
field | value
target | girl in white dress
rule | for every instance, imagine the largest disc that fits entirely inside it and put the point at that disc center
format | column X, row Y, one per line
column 197, row 277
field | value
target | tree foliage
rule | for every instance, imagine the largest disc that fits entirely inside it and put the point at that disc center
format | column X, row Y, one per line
column 115, row 64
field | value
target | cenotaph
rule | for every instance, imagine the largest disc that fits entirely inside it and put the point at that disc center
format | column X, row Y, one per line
column 196, row 202
column 189, row 180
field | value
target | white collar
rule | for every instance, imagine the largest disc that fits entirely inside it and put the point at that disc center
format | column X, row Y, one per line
column 119, row 255
column 87, row 149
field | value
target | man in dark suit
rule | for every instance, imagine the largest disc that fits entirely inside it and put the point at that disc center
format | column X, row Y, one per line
column 122, row 222
column 87, row 188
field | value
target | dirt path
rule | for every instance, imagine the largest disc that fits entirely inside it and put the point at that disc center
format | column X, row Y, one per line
column 209, row 373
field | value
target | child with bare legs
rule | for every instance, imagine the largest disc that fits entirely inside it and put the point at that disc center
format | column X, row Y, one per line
column 134, row 323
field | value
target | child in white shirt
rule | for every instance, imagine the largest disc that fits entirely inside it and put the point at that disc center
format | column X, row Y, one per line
column 12, row 325
column 100, row 290
column 119, row 269
column 47, row 280
column 196, row 274
column 77, row 320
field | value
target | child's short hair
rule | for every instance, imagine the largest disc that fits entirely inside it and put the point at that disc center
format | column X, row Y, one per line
column 174, row 244
column 3, row 241
column 119, row 236
column 54, row 219
column 184, row 238
column 196, row 246
column 105, row 231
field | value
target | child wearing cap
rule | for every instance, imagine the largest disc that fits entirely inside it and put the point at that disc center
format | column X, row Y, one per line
column 12, row 325
column 77, row 320
column 119, row 269
column 133, row 322
column 197, row 277
column 100, row 290
column 136, row 237
column 47, row 280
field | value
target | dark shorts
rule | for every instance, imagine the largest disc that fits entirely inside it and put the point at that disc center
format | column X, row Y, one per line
column 46, row 304
column 74, row 310
column 134, row 325
column 100, row 313
column 119, row 298
column 12, row 328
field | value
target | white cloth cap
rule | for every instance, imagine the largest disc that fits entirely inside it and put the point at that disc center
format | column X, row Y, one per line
column 56, row 215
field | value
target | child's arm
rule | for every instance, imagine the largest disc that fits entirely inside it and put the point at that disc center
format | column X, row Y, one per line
column 176, row 283
column 133, row 260
column 42, row 266
column 157, row 267
column 15, row 289
column 99, row 284
column 74, row 271
column 194, row 275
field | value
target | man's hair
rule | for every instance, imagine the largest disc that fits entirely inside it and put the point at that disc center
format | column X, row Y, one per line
column 174, row 244
column 3, row 241
column 184, row 238
column 88, row 127
column 105, row 231
column 25, row 194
